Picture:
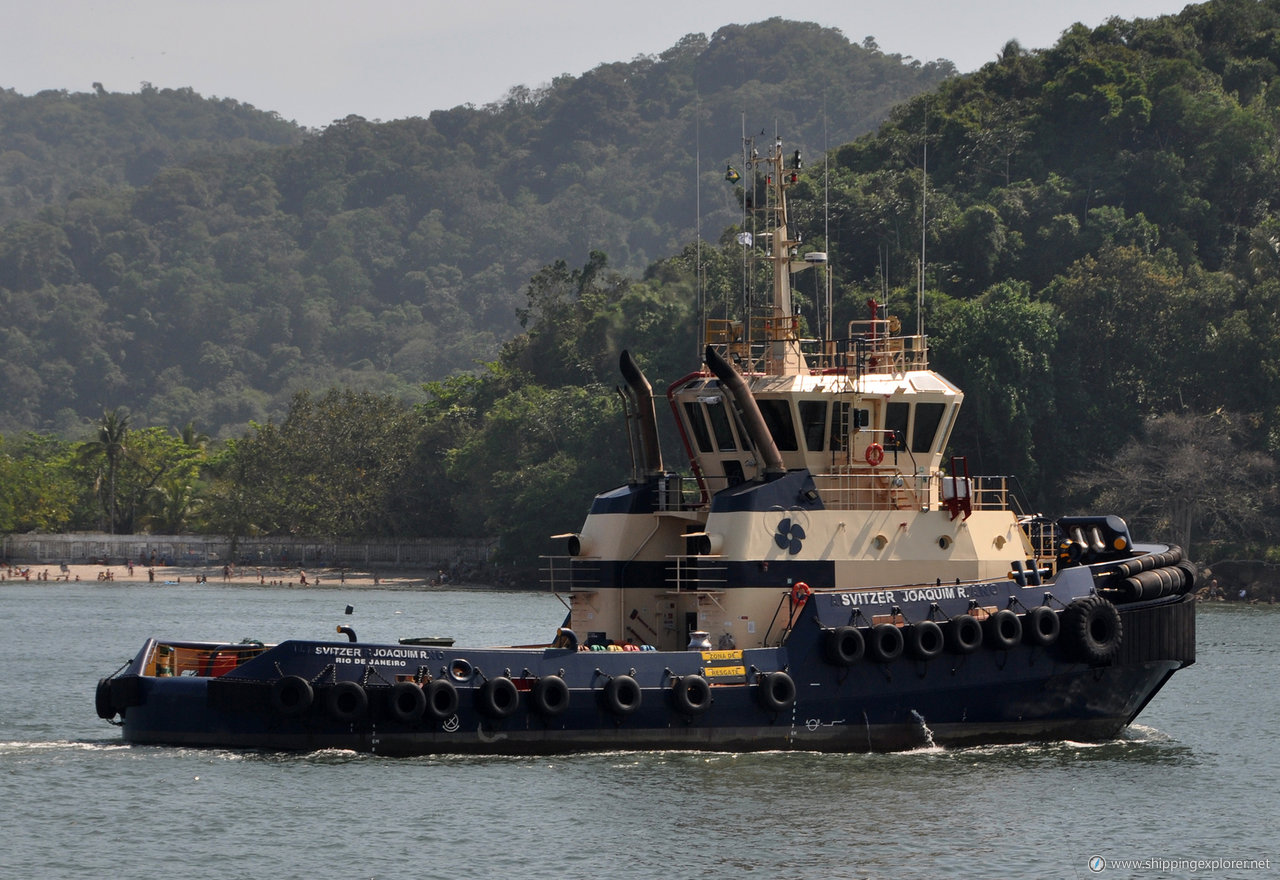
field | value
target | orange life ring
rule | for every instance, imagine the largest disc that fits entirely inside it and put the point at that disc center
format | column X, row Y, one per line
column 800, row 593
column 875, row 454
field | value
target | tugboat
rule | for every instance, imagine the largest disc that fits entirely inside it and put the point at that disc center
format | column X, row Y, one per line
column 820, row 582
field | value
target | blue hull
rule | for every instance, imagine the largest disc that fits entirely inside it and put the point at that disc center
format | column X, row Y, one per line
column 790, row 697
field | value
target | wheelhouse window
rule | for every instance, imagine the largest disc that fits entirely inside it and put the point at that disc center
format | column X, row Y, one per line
column 777, row 417
column 895, row 424
column 720, row 425
column 698, row 425
column 925, row 431
column 813, row 421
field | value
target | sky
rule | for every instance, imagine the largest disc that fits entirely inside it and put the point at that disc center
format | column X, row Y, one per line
column 314, row 61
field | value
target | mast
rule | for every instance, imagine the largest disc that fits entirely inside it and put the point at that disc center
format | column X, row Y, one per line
column 782, row 341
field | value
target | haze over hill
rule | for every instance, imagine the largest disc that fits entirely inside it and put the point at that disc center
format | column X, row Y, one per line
column 375, row 256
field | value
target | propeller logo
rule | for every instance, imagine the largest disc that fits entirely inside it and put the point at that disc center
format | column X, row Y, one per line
column 789, row 536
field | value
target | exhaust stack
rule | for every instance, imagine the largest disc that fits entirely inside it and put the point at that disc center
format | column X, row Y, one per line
column 646, row 415
column 752, row 420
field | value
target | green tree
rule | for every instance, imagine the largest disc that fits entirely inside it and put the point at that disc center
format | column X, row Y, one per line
column 104, row 455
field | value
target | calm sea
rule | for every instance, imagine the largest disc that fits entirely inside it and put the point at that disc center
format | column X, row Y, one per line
column 1198, row 779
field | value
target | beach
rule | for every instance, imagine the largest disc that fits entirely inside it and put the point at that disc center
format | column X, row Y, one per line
column 266, row 576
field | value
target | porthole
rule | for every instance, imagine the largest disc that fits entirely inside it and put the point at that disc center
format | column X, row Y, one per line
column 1000, row 542
column 461, row 670
column 879, row 542
column 945, row 542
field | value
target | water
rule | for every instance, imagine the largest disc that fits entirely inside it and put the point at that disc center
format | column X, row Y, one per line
column 1197, row 779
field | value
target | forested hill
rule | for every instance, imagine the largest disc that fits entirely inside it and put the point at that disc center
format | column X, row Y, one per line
column 382, row 255
column 1102, row 281
column 54, row 143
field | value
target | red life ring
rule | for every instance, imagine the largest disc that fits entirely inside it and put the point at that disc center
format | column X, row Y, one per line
column 875, row 454
column 800, row 593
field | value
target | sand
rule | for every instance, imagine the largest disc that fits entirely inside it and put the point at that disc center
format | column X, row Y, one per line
column 402, row 579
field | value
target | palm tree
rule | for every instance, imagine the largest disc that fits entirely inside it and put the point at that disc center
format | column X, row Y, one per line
column 111, row 444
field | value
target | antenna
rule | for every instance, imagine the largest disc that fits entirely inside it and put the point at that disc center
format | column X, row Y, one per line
column 697, row 199
column 924, row 198
column 826, row 214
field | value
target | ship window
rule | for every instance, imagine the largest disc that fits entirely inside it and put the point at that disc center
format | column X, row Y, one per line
column 928, row 416
column 697, row 424
column 720, row 425
column 813, row 416
column 895, row 424
column 946, row 430
column 777, row 417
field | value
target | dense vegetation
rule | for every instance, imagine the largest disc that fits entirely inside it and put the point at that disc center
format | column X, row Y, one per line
column 54, row 145
column 377, row 256
column 1103, row 280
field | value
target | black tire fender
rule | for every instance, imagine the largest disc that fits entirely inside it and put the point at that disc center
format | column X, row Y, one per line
column 407, row 702
column 442, row 699
column 843, row 645
column 925, row 640
column 291, row 695
column 549, row 696
column 622, row 695
column 1041, row 626
column 777, row 691
column 1092, row 630
column 346, row 701
column 885, row 643
column 691, row 695
column 964, row 634
column 498, row 697
column 1003, row 630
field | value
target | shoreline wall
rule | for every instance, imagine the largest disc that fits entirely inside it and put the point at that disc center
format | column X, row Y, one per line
column 203, row 550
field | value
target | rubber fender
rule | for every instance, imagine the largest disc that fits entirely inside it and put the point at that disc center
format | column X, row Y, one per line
column 1092, row 630
column 1003, row 630
column 691, row 695
column 407, row 702
column 925, row 640
column 549, row 696
column 291, row 695
column 776, row 691
column 1041, row 626
column 622, row 695
column 442, row 699
column 498, row 697
column 843, row 645
column 964, row 634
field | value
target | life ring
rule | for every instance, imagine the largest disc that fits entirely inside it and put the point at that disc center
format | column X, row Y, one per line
column 691, row 695
column 442, row 699
column 875, row 454
column 800, row 593
column 498, row 697
column 1041, row 626
column 407, row 702
column 549, row 696
column 964, row 634
column 622, row 695
column 843, row 646
column 1003, row 629
column 1092, row 629
column 777, row 691
column 884, row 642
column 925, row 640
column 346, row 701
column 291, row 695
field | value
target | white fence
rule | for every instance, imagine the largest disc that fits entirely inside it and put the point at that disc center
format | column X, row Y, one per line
column 203, row 550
